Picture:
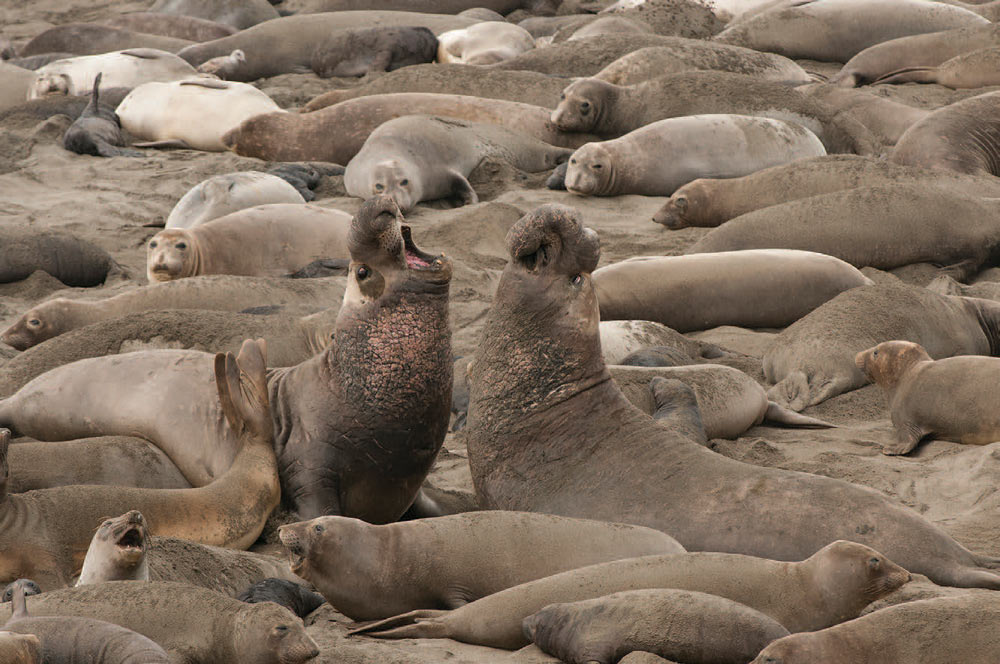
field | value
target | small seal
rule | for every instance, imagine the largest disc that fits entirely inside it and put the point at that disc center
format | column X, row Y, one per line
column 224, row 66
column 118, row 551
column 284, row 593
column 366, row 50
column 97, row 131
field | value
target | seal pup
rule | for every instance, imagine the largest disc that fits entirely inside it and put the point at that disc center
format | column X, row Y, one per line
column 94, row 39
column 193, row 114
column 960, row 137
column 682, row 625
column 239, row 14
column 600, row 452
column 20, row 648
column 365, row 50
column 120, row 69
column 264, row 240
column 485, row 43
column 27, row 585
column 118, row 551
column 224, row 66
column 715, row 145
column 370, row 572
column 227, row 193
column 284, row 593
column 941, row 399
column 70, row 259
column 423, row 158
column 190, row 28
column 97, row 131
column 833, row 585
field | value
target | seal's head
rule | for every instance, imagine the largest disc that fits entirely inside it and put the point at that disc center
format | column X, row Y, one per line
column 170, row 255
column 591, row 171
column 256, row 136
column 126, row 536
column 392, row 178
column 311, row 544
column 267, row 633
column 50, row 84
column 30, row 588
column 582, row 105
column 36, row 325
column 853, row 576
column 886, row 363
column 792, row 649
column 680, row 210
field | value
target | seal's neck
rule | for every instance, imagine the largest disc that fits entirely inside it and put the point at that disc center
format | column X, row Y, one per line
column 317, row 329
column 197, row 263
column 988, row 314
column 617, row 112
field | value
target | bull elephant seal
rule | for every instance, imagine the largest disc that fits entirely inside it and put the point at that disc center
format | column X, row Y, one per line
column 837, row 30
column 976, row 69
column 604, row 452
column 197, row 624
column 266, row 240
column 20, row 648
column 715, row 145
column 361, row 51
column 423, row 158
column 120, row 69
column 671, row 623
column 118, row 551
column 71, row 260
column 959, row 137
column 941, row 399
column 833, row 585
column 194, row 114
column 759, row 288
column 240, row 14
column 190, row 28
column 224, row 66
column 484, row 43
column 813, row 360
column 97, row 131
column 227, row 193
column 93, row 39
column 284, row 593
column 372, row 572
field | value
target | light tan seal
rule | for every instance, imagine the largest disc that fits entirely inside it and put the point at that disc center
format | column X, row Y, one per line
column 886, row 119
column 20, row 648
column 223, row 194
column 370, row 572
column 976, row 69
column 118, row 69
column 484, row 43
column 961, row 137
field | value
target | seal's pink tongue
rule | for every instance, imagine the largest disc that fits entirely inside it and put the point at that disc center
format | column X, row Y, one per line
column 413, row 260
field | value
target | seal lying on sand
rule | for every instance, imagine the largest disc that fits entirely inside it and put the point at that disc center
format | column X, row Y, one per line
column 484, row 43
column 284, row 593
column 975, row 69
column 223, row 194
column 240, row 14
column 121, row 69
column 98, row 130
column 364, row 50
column 171, row 25
column 886, row 119
column 93, row 39
column 71, row 260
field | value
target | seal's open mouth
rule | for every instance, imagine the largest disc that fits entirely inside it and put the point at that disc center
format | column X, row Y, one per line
column 296, row 552
column 415, row 258
column 131, row 539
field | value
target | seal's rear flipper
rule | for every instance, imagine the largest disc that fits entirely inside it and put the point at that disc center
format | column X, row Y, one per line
column 778, row 414
column 908, row 75
column 945, row 285
column 323, row 267
column 961, row 271
column 797, row 391
column 421, row 624
column 174, row 143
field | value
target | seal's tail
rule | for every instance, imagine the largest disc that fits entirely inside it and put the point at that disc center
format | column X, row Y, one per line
column 909, row 75
column 421, row 624
column 989, row 562
column 778, row 414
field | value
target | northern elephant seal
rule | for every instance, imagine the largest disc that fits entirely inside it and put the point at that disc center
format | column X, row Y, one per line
column 620, row 338
column 364, row 50
column 603, row 25
column 98, row 130
column 423, row 158
column 886, row 119
column 28, row 586
column 284, row 593
column 941, row 399
column 681, row 625
column 759, row 288
column 224, row 66
column 118, row 551
column 190, row 28
column 240, row 14
column 976, row 69
column 484, row 43
column 813, row 359
column 831, row 586
column 93, row 39
column 372, row 572
column 119, row 69
column 602, row 452
column 223, row 194
column 714, row 145
column 460, row 7
column 15, row 83
column 20, row 648
column 194, row 113
column 265, row 240
column 70, row 259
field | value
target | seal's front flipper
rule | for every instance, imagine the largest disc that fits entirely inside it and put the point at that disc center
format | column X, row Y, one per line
column 421, row 624
column 462, row 191
column 105, row 149
column 778, row 414
column 961, row 271
column 907, row 437
column 380, row 62
column 174, row 143
column 677, row 408
column 557, row 180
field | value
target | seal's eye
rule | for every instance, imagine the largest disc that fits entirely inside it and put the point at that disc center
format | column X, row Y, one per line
column 281, row 628
column 597, row 167
column 404, row 182
column 181, row 245
column 577, row 279
column 562, row 96
column 379, row 187
column 318, row 528
column 34, row 322
column 681, row 202
column 572, row 161
column 152, row 245
column 585, row 107
column 107, row 523
column 875, row 353
column 873, row 561
column 362, row 272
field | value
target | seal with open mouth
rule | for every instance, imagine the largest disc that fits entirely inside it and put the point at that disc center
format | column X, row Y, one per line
column 118, row 551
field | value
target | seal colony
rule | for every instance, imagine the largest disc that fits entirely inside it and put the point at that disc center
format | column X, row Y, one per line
column 246, row 415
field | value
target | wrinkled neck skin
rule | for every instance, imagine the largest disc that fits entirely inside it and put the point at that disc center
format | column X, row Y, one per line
column 317, row 331
column 987, row 312
column 610, row 120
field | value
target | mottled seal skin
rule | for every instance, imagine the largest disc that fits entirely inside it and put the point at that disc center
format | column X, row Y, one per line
column 362, row 51
column 371, row 572
column 422, row 158
column 886, row 119
column 20, row 648
column 947, row 399
column 714, row 145
column 712, row 202
column 97, row 131
column 922, row 631
column 265, row 240
column 757, row 288
column 562, row 439
column 813, row 360
column 190, row 28
column 284, row 593
column 27, row 585
column 239, row 14
column 71, row 260
column 962, row 137
column 118, row 551
column 223, row 194
column 681, row 625
column 486, row 43
column 591, row 105
column 833, row 585
column 194, row 624
column 837, row 30
column 93, row 39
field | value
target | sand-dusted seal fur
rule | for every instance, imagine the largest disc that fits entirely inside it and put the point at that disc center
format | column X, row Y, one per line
column 886, row 119
column 94, row 39
column 20, row 648
column 97, row 131
column 960, row 137
column 365, row 50
column 485, row 43
column 282, row 592
column 120, row 69
column 171, row 25
column 70, row 259
column 239, row 14
column 223, row 194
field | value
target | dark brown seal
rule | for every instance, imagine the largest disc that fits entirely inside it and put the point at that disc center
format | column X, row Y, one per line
column 71, row 260
column 962, row 137
column 366, row 50
column 190, row 28
column 91, row 39
column 98, row 130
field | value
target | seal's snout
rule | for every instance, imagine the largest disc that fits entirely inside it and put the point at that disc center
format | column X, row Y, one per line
column 231, row 138
column 529, row 627
column 375, row 229
column 552, row 236
column 861, row 360
column 291, row 538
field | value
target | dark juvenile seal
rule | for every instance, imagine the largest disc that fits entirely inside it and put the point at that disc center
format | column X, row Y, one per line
column 98, row 130
column 284, row 593
column 365, row 50
column 190, row 28
column 813, row 359
column 686, row 626
column 71, row 260
column 27, row 585
column 942, row 399
column 92, row 39
column 239, row 14
column 833, row 585
column 370, row 572
column 962, row 137
column 549, row 431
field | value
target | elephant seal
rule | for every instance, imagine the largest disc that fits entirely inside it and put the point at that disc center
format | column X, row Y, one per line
column 712, row 202
column 924, row 394
column 715, row 145
column 604, row 453
column 196, row 624
column 959, row 137
column 15, row 83
column 833, row 585
column 364, row 50
column 194, row 114
column 813, row 360
column 927, row 625
column 227, row 193
column 976, row 69
column 72, row 638
column 120, row 69
column 837, row 30
column 484, row 43
column 759, row 288
column 20, row 648
column 284, row 593
column 239, row 14
column 70, row 259
column 682, row 625
column 224, row 66
column 265, row 240
column 336, row 133
column 603, row 25
column 93, row 39
column 591, row 105
column 423, row 158
column 97, row 131
column 886, row 119
column 459, row 7
column 372, row 572
column 861, row 227
column 118, row 551
column 620, row 338
column 28, row 586
column 189, row 28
